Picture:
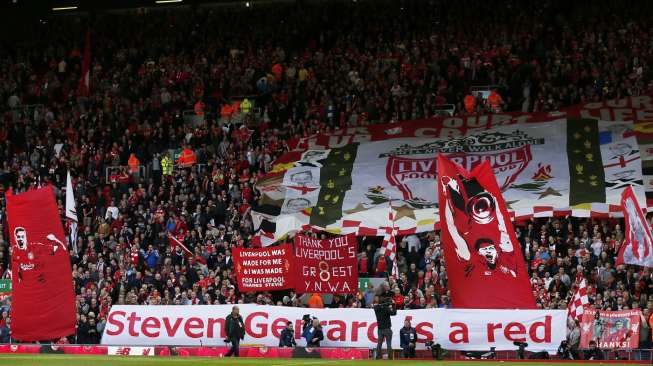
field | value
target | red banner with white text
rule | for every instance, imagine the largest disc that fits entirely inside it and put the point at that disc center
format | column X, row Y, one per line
column 326, row 266
column 611, row 329
column 484, row 261
column 43, row 305
column 264, row 269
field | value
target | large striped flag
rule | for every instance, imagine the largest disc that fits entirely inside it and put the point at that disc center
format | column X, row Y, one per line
column 579, row 302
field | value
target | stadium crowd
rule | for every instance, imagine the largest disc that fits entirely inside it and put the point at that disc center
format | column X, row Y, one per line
column 308, row 68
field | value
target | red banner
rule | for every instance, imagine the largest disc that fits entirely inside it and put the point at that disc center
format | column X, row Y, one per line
column 263, row 269
column 43, row 297
column 637, row 247
column 484, row 261
column 611, row 329
column 326, row 266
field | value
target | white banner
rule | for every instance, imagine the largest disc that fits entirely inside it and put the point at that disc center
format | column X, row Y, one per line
column 463, row 329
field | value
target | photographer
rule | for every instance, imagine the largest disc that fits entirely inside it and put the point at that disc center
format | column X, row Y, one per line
column 408, row 339
column 235, row 328
column 383, row 311
column 287, row 336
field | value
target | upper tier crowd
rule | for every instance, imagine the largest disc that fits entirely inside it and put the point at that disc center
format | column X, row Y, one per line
column 306, row 68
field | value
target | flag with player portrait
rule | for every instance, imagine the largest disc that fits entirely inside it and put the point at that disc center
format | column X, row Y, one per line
column 43, row 305
column 485, row 265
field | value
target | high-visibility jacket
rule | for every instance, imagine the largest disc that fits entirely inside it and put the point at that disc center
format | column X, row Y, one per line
column 166, row 165
column 245, row 106
column 133, row 163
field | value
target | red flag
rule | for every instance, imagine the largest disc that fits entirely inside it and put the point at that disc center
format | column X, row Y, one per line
column 84, row 81
column 43, row 296
column 637, row 247
column 484, row 262
column 173, row 245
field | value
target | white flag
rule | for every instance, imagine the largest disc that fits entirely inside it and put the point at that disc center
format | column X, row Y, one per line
column 71, row 213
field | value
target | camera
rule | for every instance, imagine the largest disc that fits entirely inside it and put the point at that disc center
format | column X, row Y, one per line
column 475, row 355
column 436, row 350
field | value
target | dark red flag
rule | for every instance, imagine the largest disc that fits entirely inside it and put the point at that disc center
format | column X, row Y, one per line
column 484, row 261
column 43, row 296
column 85, row 79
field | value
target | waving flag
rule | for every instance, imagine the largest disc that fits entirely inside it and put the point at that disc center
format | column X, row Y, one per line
column 174, row 242
column 637, row 247
column 43, row 297
column 71, row 213
column 484, row 261
column 579, row 302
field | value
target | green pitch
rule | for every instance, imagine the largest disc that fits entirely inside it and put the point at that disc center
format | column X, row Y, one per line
column 73, row 360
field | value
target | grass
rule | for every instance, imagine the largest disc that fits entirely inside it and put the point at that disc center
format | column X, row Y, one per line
column 75, row 360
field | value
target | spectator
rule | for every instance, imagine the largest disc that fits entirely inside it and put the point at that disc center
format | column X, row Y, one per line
column 315, row 301
column 408, row 339
column 314, row 334
column 287, row 336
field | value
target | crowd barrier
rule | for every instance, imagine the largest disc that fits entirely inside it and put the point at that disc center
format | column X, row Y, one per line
column 643, row 356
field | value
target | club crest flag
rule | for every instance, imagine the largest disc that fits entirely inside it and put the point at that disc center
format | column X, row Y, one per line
column 43, row 297
column 637, row 247
column 326, row 266
column 485, row 265
column 380, row 178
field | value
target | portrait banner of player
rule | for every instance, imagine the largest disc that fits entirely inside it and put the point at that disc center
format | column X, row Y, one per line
column 484, row 262
column 637, row 247
column 611, row 329
column 43, row 297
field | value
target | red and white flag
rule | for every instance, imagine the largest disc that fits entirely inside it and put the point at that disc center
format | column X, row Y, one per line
column 85, row 80
column 484, row 261
column 637, row 247
column 579, row 302
column 174, row 242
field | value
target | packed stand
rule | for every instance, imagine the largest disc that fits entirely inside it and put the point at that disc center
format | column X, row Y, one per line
column 308, row 69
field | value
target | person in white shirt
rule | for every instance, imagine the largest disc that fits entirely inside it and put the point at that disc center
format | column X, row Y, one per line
column 597, row 246
column 112, row 211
